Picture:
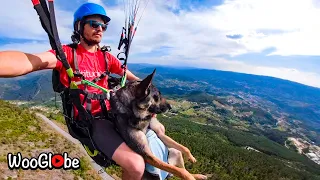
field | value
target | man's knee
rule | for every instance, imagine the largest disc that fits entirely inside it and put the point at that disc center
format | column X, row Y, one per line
column 130, row 161
column 175, row 158
column 135, row 165
column 160, row 130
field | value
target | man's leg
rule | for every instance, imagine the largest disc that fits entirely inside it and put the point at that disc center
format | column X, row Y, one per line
column 159, row 129
column 160, row 151
column 132, row 163
column 110, row 143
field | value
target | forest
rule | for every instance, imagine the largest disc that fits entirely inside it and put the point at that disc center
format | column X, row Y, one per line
column 221, row 152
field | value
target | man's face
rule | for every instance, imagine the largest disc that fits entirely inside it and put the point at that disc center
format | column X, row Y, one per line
column 93, row 29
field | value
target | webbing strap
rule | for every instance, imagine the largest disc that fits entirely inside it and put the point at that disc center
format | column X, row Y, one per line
column 75, row 61
column 48, row 23
column 97, row 96
column 103, row 107
column 86, row 112
column 44, row 14
column 106, row 73
column 88, row 106
column 76, row 66
column 75, row 99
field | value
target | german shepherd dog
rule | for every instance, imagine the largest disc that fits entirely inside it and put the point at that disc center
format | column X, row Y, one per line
column 134, row 105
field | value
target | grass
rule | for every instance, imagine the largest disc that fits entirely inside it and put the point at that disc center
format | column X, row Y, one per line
column 22, row 131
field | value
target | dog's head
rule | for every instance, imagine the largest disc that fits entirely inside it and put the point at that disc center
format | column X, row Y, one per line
column 149, row 98
column 141, row 98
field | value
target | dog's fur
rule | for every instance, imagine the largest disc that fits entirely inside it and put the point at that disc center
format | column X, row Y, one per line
column 134, row 106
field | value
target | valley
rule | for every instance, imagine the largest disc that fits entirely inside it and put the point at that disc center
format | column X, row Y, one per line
column 271, row 119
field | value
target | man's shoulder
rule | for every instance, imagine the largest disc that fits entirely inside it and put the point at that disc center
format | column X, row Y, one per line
column 111, row 57
column 69, row 46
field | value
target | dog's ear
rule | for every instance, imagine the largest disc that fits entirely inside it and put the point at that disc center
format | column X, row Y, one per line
column 144, row 85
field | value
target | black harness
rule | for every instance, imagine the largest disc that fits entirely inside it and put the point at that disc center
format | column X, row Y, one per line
column 80, row 127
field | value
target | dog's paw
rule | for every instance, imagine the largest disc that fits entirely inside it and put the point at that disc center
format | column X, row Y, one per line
column 191, row 158
column 187, row 175
column 199, row 176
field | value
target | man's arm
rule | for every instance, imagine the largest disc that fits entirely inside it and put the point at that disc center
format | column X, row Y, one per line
column 116, row 67
column 17, row 63
column 131, row 76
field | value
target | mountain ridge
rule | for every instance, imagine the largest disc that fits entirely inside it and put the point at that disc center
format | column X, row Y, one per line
column 227, row 71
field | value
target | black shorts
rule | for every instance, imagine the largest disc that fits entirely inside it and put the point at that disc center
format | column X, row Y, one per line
column 105, row 136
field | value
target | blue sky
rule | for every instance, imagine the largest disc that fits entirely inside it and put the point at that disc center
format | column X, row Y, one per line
column 276, row 38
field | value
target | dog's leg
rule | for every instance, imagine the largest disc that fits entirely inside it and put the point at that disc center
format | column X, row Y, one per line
column 139, row 142
column 175, row 158
column 169, row 142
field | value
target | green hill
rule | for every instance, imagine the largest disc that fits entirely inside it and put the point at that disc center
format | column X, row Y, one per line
column 21, row 131
column 220, row 151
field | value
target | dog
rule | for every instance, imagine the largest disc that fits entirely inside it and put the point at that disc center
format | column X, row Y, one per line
column 134, row 106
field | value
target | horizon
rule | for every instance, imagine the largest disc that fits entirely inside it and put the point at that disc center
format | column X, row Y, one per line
column 229, row 35
column 181, row 68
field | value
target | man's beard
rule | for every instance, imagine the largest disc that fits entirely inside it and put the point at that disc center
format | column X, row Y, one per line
column 91, row 42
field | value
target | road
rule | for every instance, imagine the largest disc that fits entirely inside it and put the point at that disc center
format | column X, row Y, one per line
column 98, row 168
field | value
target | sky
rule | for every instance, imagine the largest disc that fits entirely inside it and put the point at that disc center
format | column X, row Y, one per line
column 278, row 38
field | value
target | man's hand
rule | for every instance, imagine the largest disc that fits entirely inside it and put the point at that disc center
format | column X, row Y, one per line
column 131, row 76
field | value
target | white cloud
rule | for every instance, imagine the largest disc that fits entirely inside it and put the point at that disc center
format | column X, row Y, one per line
column 20, row 20
column 308, row 78
column 30, row 47
column 296, row 21
column 194, row 37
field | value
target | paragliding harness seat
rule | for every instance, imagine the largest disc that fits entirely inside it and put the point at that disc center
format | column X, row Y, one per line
column 80, row 127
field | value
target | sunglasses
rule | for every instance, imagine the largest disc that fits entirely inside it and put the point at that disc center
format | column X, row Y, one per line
column 96, row 24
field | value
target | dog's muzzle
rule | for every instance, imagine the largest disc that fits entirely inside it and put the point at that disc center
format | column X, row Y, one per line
column 169, row 106
column 165, row 107
column 159, row 109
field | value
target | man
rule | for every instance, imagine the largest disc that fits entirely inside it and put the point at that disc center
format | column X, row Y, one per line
column 90, row 22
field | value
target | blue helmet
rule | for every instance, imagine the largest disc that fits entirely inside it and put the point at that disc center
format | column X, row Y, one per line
column 90, row 9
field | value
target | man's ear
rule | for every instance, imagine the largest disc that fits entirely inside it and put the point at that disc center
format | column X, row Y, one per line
column 143, row 87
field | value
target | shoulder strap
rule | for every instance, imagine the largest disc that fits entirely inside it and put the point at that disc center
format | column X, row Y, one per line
column 75, row 61
column 104, row 50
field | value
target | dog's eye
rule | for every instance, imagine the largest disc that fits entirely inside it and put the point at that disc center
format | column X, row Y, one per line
column 156, row 98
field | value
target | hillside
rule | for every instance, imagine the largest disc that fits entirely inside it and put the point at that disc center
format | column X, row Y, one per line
column 225, row 152
column 21, row 131
column 278, row 118
column 232, row 154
